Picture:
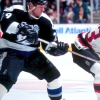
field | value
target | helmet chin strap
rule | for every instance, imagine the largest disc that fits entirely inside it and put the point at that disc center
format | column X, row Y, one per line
column 30, row 9
column 31, row 14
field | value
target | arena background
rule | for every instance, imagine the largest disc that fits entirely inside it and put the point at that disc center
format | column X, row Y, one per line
column 77, row 83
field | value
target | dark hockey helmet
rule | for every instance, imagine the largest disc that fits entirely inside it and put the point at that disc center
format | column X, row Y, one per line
column 37, row 2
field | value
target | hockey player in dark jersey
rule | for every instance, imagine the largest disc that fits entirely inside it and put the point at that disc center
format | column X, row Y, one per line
column 21, row 30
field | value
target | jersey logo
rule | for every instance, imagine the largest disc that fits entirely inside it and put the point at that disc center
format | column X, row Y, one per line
column 20, row 37
column 24, row 39
column 36, row 28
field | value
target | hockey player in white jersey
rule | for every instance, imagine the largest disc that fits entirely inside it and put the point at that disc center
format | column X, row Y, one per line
column 88, row 44
column 21, row 30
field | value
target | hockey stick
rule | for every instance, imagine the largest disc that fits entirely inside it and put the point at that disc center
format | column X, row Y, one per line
column 44, row 41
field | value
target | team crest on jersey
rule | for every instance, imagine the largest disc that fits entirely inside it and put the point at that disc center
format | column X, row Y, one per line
column 24, row 39
column 36, row 28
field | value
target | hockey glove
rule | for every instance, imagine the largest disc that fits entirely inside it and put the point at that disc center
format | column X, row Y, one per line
column 28, row 33
column 60, row 49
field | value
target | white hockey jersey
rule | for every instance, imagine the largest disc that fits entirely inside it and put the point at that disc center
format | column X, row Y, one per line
column 90, row 39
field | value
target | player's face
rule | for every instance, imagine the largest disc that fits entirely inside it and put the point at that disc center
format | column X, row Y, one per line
column 37, row 11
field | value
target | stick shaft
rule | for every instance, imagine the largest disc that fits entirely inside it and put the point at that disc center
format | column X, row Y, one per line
column 83, row 56
column 44, row 41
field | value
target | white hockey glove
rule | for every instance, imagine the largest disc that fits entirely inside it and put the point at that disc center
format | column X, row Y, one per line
column 27, row 33
column 56, row 50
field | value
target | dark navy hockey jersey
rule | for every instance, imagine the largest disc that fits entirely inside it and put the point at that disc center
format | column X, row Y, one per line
column 15, row 15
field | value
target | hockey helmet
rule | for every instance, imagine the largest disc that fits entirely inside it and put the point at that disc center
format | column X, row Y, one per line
column 37, row 2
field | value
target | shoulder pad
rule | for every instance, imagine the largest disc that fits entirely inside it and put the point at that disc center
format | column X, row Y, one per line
column 45, row 16
column 48, row 18
column 10, row 9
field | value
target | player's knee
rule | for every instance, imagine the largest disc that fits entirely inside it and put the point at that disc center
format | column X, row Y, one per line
column 95, row 68
column 6, row 81
column 3, row 91
column 55, row 83
column 54, row 89
column 98, row 96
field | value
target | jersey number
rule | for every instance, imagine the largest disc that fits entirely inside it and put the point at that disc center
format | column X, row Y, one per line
column 8, row 15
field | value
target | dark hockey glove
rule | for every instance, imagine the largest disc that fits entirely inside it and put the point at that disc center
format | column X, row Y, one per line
column 60, row 49
column 31, row 35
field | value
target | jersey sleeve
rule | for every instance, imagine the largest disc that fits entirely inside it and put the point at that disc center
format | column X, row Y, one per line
column 80, row 42
column 9, row 25
column 47, row 31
